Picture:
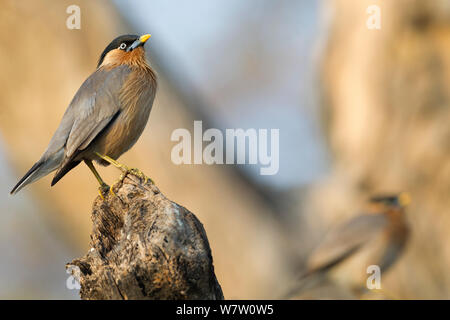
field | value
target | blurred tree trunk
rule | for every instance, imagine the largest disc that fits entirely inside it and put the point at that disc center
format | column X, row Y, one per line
column 386, row 112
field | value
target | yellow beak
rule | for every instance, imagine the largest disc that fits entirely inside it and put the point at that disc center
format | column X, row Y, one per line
column 144, row 38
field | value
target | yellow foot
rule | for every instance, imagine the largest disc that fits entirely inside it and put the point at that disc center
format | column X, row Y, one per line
column 120, row 180
column 138, row 173
column 102, row 189
column 111, row 191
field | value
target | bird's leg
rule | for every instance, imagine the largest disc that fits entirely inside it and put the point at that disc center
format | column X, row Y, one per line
column 125, row 169
column 103, row 185
column 116, row 164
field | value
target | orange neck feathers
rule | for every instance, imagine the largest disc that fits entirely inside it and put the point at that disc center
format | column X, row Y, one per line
column 117, row 57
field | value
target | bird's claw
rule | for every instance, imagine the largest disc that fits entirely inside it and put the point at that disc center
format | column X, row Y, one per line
column 102, row 189
column 120, row 180
column 138, row 173
column 125, row 170
column 111, row 191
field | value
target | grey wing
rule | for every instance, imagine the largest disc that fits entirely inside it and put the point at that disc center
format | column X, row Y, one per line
column 345, row 240
column 94, row 106
column 91, row 109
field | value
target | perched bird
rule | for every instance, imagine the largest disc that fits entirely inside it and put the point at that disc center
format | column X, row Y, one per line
column 376, row 237
column 106, row 116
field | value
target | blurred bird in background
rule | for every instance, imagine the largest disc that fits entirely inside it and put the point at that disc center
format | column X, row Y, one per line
column 106, row 116
column 377, row 237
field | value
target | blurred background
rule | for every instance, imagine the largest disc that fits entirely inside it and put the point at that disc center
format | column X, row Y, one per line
column 359, row 111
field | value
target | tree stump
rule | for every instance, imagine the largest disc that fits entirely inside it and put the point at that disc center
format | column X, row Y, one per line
column 145, row 246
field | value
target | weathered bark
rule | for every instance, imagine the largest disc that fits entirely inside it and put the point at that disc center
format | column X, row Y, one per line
column 145, row 246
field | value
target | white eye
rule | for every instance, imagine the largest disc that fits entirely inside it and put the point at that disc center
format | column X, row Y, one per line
column 122, row 46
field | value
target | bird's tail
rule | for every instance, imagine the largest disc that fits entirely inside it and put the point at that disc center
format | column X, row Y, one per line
column 40, row 169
